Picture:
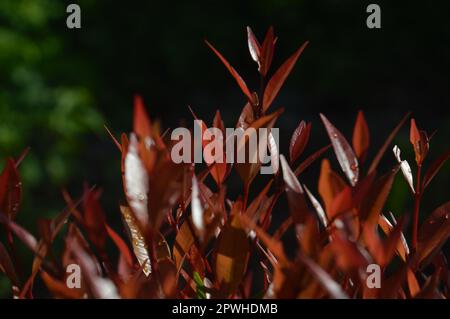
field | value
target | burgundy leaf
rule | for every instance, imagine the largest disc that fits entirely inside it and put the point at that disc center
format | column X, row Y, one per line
column 280, row 76
column 234, row 73
column 299, row 140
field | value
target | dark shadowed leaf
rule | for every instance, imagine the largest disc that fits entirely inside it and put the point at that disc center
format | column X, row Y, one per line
column 10, row 190
column 267, row 49
column 7, row 266
column 361, row 137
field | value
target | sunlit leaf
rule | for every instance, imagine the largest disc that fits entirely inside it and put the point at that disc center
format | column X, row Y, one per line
column 405, row 168
column 232, row 255
column 344, row 153
column 138, row 241
column 253, row 46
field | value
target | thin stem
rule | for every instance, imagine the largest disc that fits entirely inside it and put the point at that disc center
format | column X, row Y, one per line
column 417, row 198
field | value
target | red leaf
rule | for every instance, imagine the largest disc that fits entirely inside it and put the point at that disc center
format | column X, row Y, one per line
column 141, row 124
column 434, row 168
column 121, row 245
column 419, row 141
column 267, row 52
column 344, row 153
column 299, row 140
column 414, row 134
column 94, row 218
column 330, row 185
column 377, row 159
column 361, row 137
column 10, row 190
column 234, row 73
column 277, row 80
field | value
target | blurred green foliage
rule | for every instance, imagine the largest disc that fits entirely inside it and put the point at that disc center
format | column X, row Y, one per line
column 36, row 104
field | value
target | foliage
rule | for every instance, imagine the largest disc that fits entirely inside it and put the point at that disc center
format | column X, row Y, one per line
column 188, row 239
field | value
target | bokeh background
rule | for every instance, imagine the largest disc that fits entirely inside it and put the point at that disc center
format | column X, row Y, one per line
column 58, row 87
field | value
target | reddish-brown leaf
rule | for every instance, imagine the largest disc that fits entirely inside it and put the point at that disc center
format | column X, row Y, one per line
column 330, row 185
column 141, row 124
column 248, row 170
column 276, row 82
column 59, row 289
column 121, row 245
column 361, row 137
column 267, row 49
column 344, row 153
column 234, row 73
column 299, row 140
column 94, row 218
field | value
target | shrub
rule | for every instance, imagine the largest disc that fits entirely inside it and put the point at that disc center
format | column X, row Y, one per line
column 186, row 239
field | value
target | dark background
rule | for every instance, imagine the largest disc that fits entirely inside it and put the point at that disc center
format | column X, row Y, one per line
column 59, row 86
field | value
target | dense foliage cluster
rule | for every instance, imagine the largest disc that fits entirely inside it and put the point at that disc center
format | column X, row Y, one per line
column 185, row 239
